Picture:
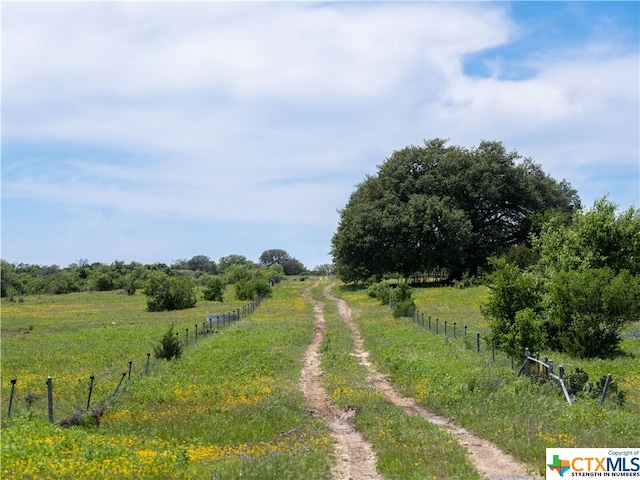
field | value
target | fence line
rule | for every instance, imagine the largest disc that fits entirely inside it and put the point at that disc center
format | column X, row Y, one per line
column 469, row 335
column 207, row 327
column 546, row 367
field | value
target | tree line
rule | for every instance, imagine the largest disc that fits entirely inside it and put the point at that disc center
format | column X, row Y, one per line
column 18, row 279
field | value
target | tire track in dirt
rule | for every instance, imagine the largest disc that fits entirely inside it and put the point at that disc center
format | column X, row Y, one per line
column 490, row 462
column 355, row 459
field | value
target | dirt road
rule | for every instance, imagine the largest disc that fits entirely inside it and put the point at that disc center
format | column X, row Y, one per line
column 355, row 457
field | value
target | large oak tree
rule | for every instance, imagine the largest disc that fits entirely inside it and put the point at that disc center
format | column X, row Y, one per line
column 443, row 207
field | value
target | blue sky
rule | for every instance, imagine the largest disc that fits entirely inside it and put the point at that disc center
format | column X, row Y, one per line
column 156, row 131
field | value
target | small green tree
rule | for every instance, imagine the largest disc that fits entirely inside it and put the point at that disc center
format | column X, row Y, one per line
column 214, row 290
column 169, row 347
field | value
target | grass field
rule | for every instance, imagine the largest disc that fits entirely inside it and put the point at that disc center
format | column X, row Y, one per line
column 231, row 407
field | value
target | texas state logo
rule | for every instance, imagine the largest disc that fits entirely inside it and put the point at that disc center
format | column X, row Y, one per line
column 593, row 463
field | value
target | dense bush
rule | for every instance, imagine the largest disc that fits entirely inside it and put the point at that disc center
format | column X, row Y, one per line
column 169, row 293
column 252, row 288
column 582, row 292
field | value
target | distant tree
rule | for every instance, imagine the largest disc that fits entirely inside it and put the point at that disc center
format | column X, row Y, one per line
column 229, row 260
column 236, row 272
column 202, row 263
column 324, row 269
column 270, row 257
column 443, row 207
column 8, row 275
column 293, row 267
column 275, row 272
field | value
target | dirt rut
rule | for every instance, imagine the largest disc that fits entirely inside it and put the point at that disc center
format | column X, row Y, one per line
column 490, row 462
column 355, row 459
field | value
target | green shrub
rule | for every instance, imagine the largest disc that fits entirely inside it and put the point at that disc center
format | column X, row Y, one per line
column 169, row 293
column 402, row 300
column 249, row 289
column 380, row 291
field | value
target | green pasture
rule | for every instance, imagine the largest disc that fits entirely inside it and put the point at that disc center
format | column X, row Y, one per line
column 75, row 336
column 229, row 408
column 450, row 378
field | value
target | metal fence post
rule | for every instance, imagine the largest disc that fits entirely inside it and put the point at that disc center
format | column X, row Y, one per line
column 445, row 328
column 454, row 329
column 606, row 387
column 146, row 368
column 13, row 389
column 526, row 362
column 436, row 325
column 130, row 363
column 124, row 374
column 478, row 341
column 91, row 378
column 50, row 397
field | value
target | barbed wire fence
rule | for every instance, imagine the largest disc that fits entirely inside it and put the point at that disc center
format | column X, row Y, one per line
column 83, row 395
column 572, row 383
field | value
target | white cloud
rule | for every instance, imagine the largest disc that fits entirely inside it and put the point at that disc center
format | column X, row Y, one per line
column 283, row 107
